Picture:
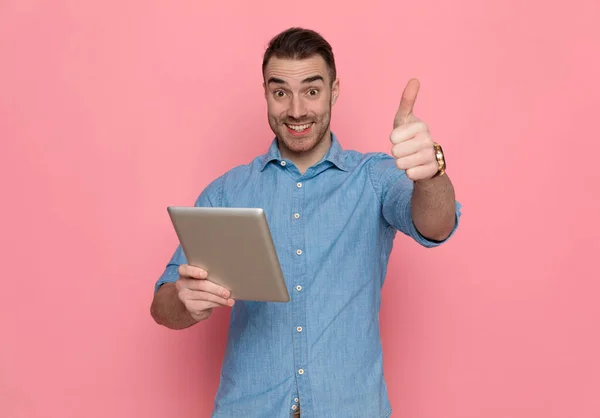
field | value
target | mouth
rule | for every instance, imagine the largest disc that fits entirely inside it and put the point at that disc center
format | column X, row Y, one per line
column 299, row 129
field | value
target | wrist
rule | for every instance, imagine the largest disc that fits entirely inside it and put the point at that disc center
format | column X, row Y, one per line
column 440, row 160
column 430, row 182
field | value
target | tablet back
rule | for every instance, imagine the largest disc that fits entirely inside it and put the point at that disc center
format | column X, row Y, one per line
column 235, row 247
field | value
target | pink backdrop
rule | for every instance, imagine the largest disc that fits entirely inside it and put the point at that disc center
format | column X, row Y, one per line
column 110, row 111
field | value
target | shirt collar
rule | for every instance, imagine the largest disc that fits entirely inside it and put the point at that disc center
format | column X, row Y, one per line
column 335, row 154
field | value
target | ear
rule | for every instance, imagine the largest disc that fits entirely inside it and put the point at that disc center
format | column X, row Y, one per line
column 335, row 91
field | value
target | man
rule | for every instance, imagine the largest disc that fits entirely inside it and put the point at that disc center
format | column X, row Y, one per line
column 333, row 215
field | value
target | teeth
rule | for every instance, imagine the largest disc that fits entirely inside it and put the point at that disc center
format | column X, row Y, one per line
column 299, row 128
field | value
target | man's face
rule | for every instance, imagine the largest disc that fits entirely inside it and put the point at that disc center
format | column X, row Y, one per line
column 299, row 100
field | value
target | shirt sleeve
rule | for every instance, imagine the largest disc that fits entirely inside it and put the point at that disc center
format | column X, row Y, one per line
column 210, row 197
column 394, row 189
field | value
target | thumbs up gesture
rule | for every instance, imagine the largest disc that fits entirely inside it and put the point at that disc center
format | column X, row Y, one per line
column 412, row 146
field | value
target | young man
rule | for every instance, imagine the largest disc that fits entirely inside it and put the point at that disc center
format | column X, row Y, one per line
column 333, row 215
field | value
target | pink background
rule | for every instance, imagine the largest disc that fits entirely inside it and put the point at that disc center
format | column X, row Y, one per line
column 110, row 111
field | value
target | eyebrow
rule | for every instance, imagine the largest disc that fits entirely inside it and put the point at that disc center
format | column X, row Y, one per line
column 306, row 80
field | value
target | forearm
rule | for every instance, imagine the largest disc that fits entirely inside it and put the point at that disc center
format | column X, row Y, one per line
column 168, row 310
column 433, row 207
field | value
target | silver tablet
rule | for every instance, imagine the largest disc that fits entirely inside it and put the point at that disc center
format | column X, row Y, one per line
column 235, row 247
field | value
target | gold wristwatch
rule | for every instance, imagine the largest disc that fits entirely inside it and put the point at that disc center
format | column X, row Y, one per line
column 441, row 161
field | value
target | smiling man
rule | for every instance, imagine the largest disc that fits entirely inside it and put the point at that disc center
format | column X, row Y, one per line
column 333, row 215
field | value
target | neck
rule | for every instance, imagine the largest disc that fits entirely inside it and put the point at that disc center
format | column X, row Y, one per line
column 303, row 160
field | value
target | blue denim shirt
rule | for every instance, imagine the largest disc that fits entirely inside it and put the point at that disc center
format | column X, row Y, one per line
column 333, row 229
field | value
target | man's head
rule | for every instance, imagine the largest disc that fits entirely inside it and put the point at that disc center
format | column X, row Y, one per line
column 301, row 86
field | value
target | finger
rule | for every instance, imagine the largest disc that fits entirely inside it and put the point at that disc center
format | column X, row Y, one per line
column 185, row 270
column 407, row 103
column 200, row 309
column 204, row 286
column 405, row 149
column 405, row 132
column 413, row 160
column 197, row 296
column 421, row 172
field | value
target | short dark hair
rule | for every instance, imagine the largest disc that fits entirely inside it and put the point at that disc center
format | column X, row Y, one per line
column 300, row 43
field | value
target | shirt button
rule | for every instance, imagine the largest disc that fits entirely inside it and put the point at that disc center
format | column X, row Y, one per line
column 298, row 288
column 299, row 329
column 294, row 407
column 283, row 163
column 296, row 400
column 301, row 371
column 299, row 252
column 296, row 215
column 299, row 184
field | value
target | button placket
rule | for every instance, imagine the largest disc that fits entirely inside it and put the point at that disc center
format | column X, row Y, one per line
column 299, row 303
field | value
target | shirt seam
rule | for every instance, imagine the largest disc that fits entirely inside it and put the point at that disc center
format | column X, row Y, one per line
column 221, row 188
column 388, row 226
column 370, row 175
column 219, row 192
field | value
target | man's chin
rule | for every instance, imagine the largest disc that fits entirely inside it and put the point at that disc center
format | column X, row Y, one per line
column 299, row 145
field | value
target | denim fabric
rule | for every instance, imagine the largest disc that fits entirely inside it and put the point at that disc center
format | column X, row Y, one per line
column 343, row 215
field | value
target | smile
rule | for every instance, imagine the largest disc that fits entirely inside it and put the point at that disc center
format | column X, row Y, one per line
column 299, row 128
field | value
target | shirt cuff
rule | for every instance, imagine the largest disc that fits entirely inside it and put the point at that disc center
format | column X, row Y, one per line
column 170, row 275
column 424, row 241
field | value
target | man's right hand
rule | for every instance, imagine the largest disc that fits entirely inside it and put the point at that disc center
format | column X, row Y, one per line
column 198, row 295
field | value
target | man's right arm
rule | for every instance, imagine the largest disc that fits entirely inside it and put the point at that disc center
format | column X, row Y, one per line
column 182, row 296
column 191, row 299
column 168, row 310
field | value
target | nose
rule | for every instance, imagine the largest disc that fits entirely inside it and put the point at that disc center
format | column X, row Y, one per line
column 297, row 108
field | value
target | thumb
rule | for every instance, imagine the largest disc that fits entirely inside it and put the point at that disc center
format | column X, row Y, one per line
column 407, row 103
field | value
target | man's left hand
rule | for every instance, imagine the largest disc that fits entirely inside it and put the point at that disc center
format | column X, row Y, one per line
column 412, row 144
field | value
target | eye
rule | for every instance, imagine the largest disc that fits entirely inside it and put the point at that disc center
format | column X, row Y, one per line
column 279, row 93
column 313, row 92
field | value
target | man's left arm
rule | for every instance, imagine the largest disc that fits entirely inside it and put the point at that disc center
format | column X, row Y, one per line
column 433, row 202
column 433, row 207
